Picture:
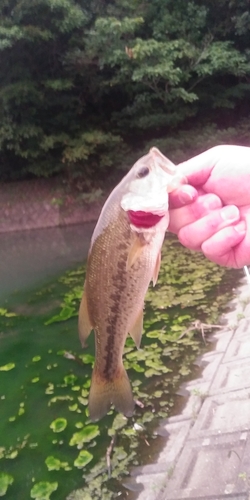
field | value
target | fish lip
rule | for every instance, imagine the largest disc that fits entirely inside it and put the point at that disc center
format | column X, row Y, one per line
column 143, row 219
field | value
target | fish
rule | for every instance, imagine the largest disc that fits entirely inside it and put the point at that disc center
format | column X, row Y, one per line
column 124, row 256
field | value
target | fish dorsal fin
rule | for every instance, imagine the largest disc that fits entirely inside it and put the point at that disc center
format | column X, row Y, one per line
column 135, row 249
column 156, row 269
column 84, row 324
column 136, row 329
column 162, row 161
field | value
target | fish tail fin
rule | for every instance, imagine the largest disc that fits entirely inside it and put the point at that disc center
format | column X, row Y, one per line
column 104, row 392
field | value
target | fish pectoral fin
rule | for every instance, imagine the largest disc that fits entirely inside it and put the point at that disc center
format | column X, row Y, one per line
column 135, row 250
column 136, row 329
column 84, row 324
column 156, row 269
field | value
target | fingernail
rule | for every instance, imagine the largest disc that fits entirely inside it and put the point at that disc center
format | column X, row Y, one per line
column 186, row 198
column 230, row 213
column 211, row 201
column 241, row 227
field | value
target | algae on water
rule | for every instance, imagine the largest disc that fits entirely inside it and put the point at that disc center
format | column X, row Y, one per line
column 45, row 430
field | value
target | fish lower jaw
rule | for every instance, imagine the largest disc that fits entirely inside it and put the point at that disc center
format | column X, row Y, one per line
column 143, row 220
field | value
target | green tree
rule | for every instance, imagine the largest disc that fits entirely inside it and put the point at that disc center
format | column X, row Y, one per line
column 82, row 82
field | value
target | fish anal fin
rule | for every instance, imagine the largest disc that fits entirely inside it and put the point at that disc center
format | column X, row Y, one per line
column 84, row 324
column 156, row 269
column 136, row 329
column 105, row 392
column 135, row 250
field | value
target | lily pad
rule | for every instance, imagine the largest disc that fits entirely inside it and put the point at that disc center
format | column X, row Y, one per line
column 137, row 368
column 36, row 358
column 73, row 407
column 8, row 367
column 43, row 490
column 60, row 398
column 83, row 459
column 56, row 464
column 35, row 380
column 5, row 481
column 70, row 379
column 49, row 389
column 87, row 358
column 58, row 425
column 79, row 425
column 66, row 313
column 12, row 454
column 84, row 436
column 6, row 313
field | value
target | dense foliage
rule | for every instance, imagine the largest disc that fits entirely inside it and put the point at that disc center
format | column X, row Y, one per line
column 83, row 82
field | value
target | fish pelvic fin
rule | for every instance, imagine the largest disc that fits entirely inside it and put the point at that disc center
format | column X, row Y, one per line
column 104, row 393
column 84, row 324
column 156, row 269
column 136, row 329
column 135, row 250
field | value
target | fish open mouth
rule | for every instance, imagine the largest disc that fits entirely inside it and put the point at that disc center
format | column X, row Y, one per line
column 143, row 219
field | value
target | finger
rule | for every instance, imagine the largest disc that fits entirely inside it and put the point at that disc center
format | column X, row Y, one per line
column 182, row 196
column 193, row 235
column 197, row 170
column 188, row 214
column 224, row 247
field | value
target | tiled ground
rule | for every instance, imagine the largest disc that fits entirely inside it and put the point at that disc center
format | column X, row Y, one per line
column 207, row 456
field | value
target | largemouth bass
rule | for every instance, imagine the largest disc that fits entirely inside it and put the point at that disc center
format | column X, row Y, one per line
column 124, row 255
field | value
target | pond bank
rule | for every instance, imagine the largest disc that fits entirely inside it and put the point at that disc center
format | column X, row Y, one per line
column 207, row 452
column 42, row 203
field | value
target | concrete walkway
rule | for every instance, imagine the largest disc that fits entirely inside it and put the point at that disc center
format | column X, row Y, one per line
column 207, row 455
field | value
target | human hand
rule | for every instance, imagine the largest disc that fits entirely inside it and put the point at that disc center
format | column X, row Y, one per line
column 212, row 212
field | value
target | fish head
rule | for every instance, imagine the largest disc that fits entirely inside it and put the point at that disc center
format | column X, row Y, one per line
column 151, row 179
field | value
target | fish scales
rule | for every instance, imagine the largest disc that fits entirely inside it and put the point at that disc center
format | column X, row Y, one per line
column 120, row 293
column 124, row 256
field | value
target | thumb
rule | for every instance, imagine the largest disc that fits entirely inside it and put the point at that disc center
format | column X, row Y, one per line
column 198, row 169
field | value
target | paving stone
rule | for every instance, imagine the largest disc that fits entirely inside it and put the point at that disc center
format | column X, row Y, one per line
column 210, row 370
column 239, row 347
column 232, row 376
column 153, row 485
column 247, row 309
column 178, row 432
column 243, row 326
column 208, row 467
column 223, row 413
column 244, row 469
column 234, row 496
column 207, row 454
column 224, row 339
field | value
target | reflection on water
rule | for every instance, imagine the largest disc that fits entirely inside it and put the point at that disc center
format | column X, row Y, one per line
column 29, row 257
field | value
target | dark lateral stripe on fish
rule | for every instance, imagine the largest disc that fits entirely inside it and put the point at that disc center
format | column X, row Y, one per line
column 114, row 319
column 143, row 219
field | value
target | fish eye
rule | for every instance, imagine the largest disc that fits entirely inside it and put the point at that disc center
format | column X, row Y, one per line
column 143, row 172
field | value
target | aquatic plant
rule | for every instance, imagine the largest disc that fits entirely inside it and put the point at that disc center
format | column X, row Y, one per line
column 45, row 378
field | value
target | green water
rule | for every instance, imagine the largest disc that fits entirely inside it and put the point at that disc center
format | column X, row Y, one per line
column 45, row 376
